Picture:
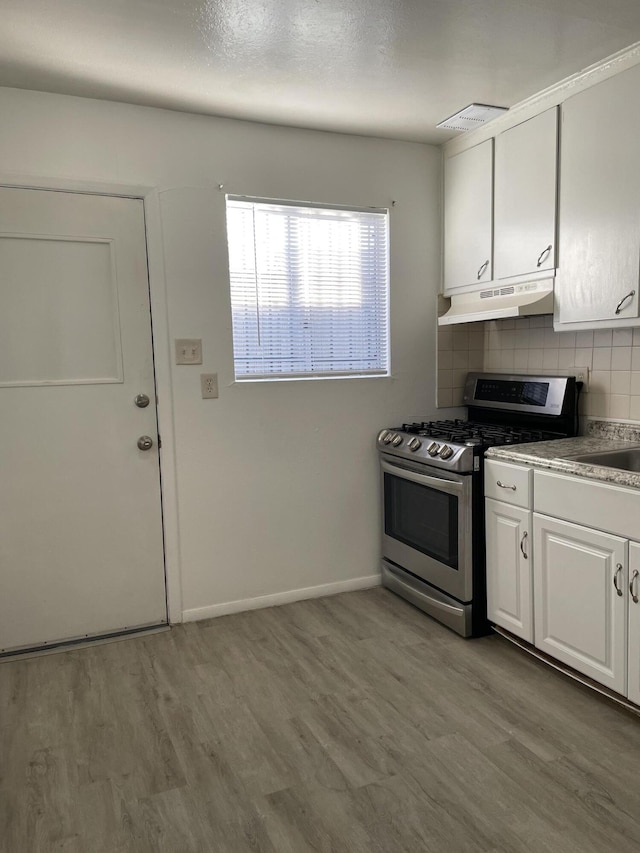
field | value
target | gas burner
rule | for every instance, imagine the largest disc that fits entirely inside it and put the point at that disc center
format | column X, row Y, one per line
column 476, row 434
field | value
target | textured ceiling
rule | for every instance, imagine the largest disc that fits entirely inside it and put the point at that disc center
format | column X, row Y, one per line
column 391, row 68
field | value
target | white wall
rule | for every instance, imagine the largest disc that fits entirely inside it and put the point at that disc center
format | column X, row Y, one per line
column 277, row 484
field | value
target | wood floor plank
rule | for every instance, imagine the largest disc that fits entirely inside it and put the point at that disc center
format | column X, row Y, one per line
column 319, row 819
column 352, row 723
column 598, row 817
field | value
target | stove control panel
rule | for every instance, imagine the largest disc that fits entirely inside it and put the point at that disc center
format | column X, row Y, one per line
column 438, row 452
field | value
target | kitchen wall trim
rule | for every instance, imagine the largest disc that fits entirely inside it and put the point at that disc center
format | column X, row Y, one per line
column 161, row 354
column 550, row 97
column 276, row 598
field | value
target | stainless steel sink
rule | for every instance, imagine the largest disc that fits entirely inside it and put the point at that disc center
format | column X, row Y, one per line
column 625, row 460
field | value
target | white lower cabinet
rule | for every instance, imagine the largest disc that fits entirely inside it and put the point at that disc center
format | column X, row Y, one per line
column 580, row 581
column 634, row 623
column 557, row 579
column 509, row 568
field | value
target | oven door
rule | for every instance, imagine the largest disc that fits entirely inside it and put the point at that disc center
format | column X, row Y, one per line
column 427, row 518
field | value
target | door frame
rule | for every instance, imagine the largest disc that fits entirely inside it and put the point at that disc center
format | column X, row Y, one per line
column 150, row 198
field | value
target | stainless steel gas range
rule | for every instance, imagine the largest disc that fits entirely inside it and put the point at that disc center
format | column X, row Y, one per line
column 433, row 545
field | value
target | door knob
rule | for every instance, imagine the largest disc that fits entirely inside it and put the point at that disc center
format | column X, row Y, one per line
column 141, row 401
column 145, row 442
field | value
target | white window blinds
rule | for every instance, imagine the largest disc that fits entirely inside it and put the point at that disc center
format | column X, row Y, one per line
column 309, row 290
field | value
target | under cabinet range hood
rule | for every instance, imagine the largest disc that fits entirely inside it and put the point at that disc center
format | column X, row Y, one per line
column 497, row 303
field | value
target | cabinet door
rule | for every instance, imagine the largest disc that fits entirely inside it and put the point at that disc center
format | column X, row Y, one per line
column 599, row 225
column 525, row 197
column 468, row 185
column 509, row 573
column 634, row 623
column 580, row 603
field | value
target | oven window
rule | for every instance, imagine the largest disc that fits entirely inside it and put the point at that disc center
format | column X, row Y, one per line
column 422, row 518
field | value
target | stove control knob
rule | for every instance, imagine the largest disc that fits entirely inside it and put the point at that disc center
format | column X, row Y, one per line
column 415, row 444
column 445, row 452
column 433, row 448
column 397, row 440
column 382, row 435
column 387, row 437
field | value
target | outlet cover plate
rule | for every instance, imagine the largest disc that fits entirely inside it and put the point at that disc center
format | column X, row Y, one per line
column 209, row 386
column 582, row 375
column 188, row 351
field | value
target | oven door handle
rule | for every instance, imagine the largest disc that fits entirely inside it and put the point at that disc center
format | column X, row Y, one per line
column 439, row 483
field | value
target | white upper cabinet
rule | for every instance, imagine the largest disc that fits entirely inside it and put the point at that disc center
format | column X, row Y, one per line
column 599, row 224
column 468, row 191
column 525, row 197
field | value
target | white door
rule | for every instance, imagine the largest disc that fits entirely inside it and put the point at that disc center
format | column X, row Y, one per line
column 580, row 600
column 81, row 549
column 509, row 568
column 525, row 197
column 634, row 623
column 468, row 207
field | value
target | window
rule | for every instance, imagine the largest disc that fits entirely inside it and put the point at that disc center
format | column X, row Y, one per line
column 309, row 290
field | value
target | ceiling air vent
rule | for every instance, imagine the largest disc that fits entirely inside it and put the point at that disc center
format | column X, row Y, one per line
column 471, row 117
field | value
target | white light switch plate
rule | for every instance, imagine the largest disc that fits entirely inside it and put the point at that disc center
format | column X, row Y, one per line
column 209, row 385
column 188, row 351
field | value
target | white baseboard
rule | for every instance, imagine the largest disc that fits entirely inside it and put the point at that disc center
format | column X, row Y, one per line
column 276, row 598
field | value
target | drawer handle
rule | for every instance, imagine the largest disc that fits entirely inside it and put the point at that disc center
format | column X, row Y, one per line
column 522, row 541
column 615, row 578
column 544, row 254
column 634, row 580
column 623, row 300
column 482, row 269
column 505, row 486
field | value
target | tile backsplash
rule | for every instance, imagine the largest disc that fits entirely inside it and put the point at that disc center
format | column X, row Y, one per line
column 460, row 349
column 530, row 345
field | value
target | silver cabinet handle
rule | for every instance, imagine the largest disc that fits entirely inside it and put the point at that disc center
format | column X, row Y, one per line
column 615, row 578
column 505, row 486
column 623, row 300
column 544, row 254
column 634, row 580
column 482, row 269
column 522, row 541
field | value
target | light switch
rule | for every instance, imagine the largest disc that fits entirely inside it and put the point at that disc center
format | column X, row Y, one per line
column 188, row 351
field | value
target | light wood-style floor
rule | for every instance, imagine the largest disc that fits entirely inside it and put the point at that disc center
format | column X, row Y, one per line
column 353, row 723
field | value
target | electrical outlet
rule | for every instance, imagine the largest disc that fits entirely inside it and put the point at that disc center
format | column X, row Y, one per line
column 209, row 385
column 582, row 375
column 188, row 351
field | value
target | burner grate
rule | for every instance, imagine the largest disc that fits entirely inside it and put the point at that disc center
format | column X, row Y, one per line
column 486, row 434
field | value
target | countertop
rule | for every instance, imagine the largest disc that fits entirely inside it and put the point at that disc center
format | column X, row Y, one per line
column 556, row 455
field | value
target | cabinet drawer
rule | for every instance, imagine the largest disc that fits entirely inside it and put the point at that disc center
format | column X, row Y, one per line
column 508, row 483
column 603, row 506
